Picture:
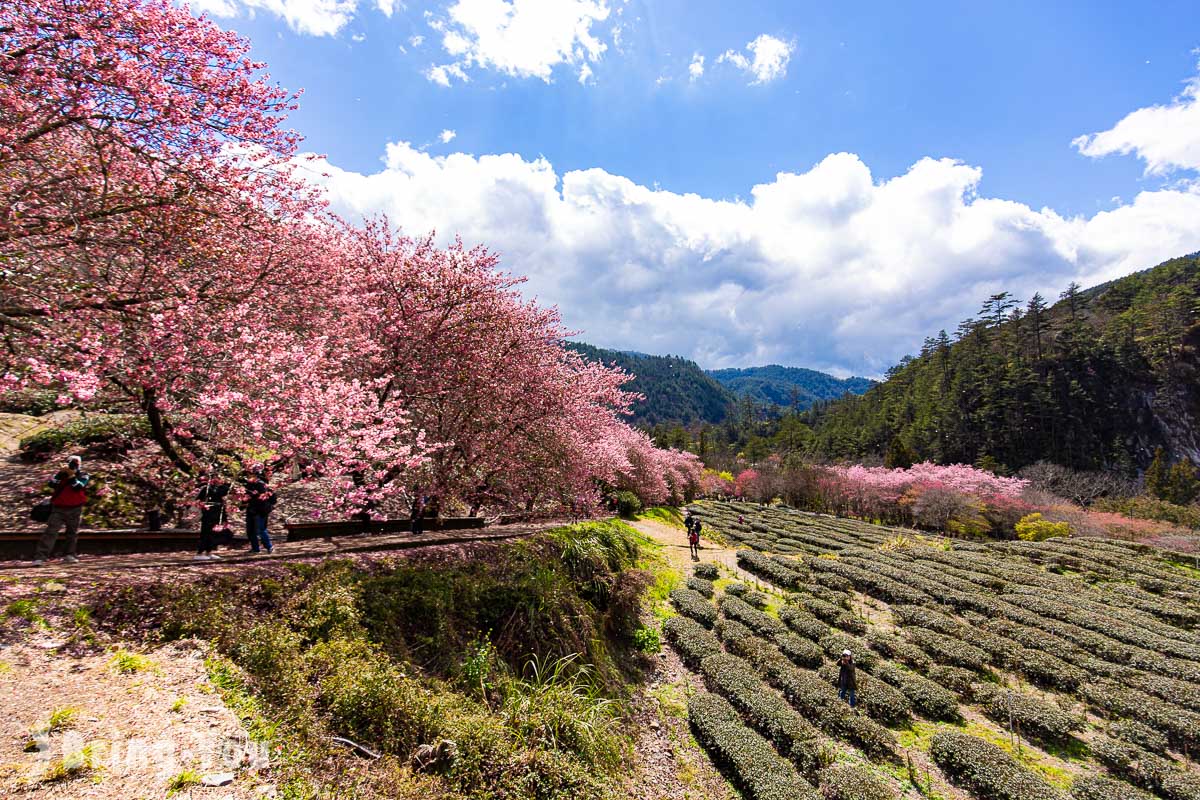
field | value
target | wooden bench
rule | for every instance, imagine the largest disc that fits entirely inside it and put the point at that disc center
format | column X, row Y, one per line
column 300, row 531
column 21, row 544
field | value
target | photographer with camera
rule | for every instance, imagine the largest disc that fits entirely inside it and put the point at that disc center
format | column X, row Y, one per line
column 66, row 510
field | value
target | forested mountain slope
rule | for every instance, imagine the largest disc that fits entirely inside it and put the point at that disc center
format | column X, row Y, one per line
column 1098, row 380
column 794, row 387
column 674, row 389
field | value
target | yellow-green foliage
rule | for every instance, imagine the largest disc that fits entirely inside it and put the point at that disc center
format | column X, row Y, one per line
column 128, row 663
column 1033, row 528
column 667, row 515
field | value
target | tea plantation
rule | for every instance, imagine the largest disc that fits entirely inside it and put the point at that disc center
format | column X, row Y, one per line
column 1067, row 669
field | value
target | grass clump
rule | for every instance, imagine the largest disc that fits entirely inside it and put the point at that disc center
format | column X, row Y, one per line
column 73, row 765
column 129, row 663
column 183, row 780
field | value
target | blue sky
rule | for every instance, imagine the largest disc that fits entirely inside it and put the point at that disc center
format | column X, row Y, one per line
column 590, row 150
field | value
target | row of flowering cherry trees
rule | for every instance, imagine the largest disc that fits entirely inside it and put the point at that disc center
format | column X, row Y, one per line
column 957, row 498
column 159, row 253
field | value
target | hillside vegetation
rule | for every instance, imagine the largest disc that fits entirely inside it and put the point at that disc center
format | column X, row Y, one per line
column 1098, row 380
column 790, row 387
column 1011, row 671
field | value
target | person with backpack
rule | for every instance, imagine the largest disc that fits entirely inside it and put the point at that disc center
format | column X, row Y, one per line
column 66, row 510
column 847, row 679
column 694, row 539
column 212, row 516
column 260, row 501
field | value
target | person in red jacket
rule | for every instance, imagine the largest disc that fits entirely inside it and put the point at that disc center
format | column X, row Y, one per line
column 66, row 509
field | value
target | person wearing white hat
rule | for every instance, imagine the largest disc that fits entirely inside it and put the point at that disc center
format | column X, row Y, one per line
column 847, row 680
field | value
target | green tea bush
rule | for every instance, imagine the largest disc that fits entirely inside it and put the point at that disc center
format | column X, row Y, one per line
column 769, row 569
column 759, row 600
column 646, row 640
column 768, row 713
column 803, row 623
column 694, row 605
column 948, row 650
column 879, row 700
column 1141, row 735
column 956, row 679
column 817, row 700
column 692, row 640
column 704, row 587
column 1142, row 768
column 898, row 649
column 708, row 572
column 1034, row 717
column 986, row 770
column 1181, row 727
column 928, row 698
column 755, row 620
column 1047, row 671
column 852, row 782
column 755, row 766
column 835, row 616
column 736, row 589
column 834, row 643
column 1097, row 787
column 800, row 651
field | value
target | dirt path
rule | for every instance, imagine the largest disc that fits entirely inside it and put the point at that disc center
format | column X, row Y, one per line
column 675, row 548
column 128, row 734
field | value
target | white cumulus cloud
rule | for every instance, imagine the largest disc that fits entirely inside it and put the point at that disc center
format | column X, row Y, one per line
column 447, row 136
column 829, row 267
column 767, row 60
column 696, row 68
column 313, row 17
column 521, row 38
column 1166, row 137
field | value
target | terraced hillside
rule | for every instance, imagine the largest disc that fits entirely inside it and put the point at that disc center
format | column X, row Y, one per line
column 993, row 670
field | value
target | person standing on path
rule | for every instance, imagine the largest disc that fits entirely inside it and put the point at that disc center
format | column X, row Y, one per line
column 694, row 539
column 212, row 516
column 416, row 516
column 847, row 679
column 259, row 502
column 66, row 510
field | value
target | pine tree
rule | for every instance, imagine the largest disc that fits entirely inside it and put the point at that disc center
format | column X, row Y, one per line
column 1183, row 486
column 1156, row 482
column 898, row 455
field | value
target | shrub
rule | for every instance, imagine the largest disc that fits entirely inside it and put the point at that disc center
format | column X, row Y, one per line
column 629, row 505
column 1049, row 672
column 818, row 701
column 852, row 782
column 1143, row 736
column 800, row 651
column 836, row 616
column 647, row 640
column 757, row 599
column 803, row 623
column 956, row 679
column 986, row 770
column 1096, row 787
column 896, row 648
column 692, row 640
column 704, row 587
column 767, row 712
column 737, row 589
column 947, row 650
column 1033, row 716
column 835, row 643
column 694, row 605
column 1033, row 528
column 755, row 765
column 880, row 701
column 1181, row 727
column 1144, row 769
column 927, row 697
column 755, row 620
column 708, row 572
column 770, row 569
column 90, row 430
